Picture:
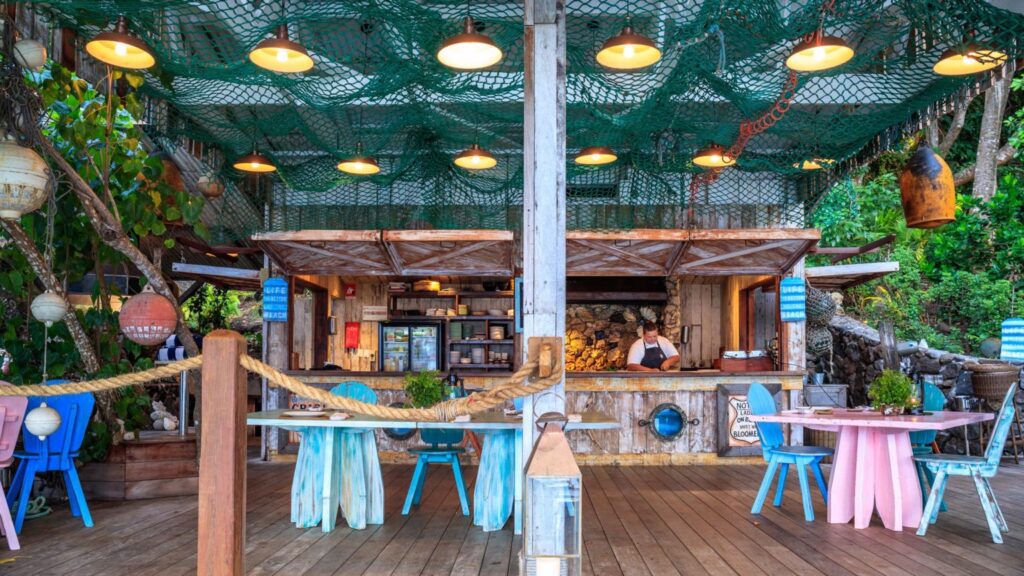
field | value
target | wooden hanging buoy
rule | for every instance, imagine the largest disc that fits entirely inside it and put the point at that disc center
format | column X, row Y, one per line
column 148, row 318
column 927, row 190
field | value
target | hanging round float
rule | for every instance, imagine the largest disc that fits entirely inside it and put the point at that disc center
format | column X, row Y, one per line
column 49, row 307
column 30, row 54
column 148, row 318
column 24, row 178
column 210, row 186
column 927, row 190
column 42, row 421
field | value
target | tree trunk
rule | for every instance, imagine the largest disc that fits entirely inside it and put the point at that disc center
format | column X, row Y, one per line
column 1004, row 156
column 991, row 132
column 50, row 281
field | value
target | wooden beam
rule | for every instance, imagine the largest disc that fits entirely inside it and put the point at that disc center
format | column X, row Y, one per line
column 796, row 256
column 221, row 532
column 447, row 235
column 226, row 272
column 358, row 262
column 840, row 253
column 620, row 253
column 683, row 235
column 853, row 269
column 446, row 254
column 734, row 254
column 319, row 236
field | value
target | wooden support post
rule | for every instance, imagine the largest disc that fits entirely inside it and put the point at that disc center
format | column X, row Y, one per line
column 543, row 190
column 796, row 357
column 276, row 353
column 222, row 457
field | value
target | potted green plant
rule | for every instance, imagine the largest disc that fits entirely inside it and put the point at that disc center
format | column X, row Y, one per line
column 892, row 392
column 424, row 389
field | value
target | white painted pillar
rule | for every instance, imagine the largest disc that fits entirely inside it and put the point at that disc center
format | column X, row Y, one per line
column 796, row 358
column 543, row 192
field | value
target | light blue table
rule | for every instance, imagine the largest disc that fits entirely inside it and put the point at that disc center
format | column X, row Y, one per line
column 488, row 422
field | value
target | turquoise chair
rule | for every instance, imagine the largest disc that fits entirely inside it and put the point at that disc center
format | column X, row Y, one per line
column 55, row 454
column 981, row 468
column 441, row 449
column 921, row 442
column 776, row 454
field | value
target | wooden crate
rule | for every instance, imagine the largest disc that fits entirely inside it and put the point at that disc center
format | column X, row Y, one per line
column 152, row 467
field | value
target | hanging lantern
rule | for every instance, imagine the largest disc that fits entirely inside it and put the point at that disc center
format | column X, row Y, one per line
column 628, row 51
column 1013, row 340
column 714, row 156
column 596, row 156
column 24, row 177
column 814, row 164
column 359, row 165
column 30, row 54
column 42, row 421
column 475, row 158
column 968, row 59
column 819, row 53
column 927, row 190
column 49, row 307
column 469, row 50
column 210, row 186
column 552, row 525
column 119, row 48
column 281, row 54
column 793, row 299
column 148, row 318
column 254, row 162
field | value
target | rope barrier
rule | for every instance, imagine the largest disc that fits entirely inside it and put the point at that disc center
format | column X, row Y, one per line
column 515, row 386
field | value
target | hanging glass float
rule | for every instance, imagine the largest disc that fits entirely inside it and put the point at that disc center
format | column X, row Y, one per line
column 148, row 318
column 24, row 177
column 49, row 307
column 42, row 421
column 1013, row 340
column 210, row 186
column 30, row 54
column 927, row 190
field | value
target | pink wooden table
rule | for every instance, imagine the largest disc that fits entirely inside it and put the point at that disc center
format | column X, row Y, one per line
column 874, row 462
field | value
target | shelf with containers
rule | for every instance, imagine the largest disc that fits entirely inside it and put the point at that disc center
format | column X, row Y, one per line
column 489, row 342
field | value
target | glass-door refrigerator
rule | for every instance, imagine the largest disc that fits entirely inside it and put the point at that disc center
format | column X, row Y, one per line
column 411, row 346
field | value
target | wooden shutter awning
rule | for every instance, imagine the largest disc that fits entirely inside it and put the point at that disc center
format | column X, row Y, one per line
column 220, row 276
column 842, row 276
column 391, row 252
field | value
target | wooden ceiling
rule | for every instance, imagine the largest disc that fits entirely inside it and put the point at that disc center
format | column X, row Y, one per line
column 378, row 253
column 492, row 253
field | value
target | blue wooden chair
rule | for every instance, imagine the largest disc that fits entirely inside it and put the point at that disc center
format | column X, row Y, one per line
column 442, row 449
column 55, row 454
column 981, row 468
column 777, row 454
column 921, row 442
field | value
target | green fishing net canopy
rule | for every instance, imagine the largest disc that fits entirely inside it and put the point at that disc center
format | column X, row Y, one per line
column 376, row 83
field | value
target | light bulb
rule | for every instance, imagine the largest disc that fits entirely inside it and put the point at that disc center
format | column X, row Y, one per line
column 968, row 59
column 476, row 159
column 628, row 51
column 818, row 54
column 254, row 165
column 120, row 49
column 716, row 159
column 595, row 157
column 282, row 55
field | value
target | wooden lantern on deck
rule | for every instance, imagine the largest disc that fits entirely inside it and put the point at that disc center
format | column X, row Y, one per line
column 927, row 190
column 552, row 530
column 148, row 318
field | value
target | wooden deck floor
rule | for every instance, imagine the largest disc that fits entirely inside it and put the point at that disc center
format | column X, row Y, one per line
column 658, row 521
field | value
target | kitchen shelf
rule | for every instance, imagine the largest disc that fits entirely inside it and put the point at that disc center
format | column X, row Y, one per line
column 402, row 317
column 421, row 295
column 508, row 341
column 497, row 294
column 507, row 366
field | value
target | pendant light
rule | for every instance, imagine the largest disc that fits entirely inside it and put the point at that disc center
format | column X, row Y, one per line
column 475, row 158
column 469, row 50
column 819, row 53
column 713, row 156
column 281, row 54
column 254, row 162
column 628, row 51
column 968, row 59
column 596, row 156
column 359, row 165
column 814, row 164
column 119, row 48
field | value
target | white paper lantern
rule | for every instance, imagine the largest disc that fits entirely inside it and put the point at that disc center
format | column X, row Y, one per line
column 30, row 54
column 49, row 307
column 42, row 421
column 24, row 177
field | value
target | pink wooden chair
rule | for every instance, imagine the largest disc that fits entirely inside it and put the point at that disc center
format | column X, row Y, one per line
column 12, row 412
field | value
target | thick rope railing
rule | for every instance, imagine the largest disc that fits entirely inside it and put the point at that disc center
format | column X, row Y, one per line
column 518, row 384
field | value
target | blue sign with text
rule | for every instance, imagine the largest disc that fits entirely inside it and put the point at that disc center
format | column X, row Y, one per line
column 275, row 300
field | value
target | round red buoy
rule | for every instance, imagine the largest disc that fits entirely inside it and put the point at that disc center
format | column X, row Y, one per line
column 148, row 318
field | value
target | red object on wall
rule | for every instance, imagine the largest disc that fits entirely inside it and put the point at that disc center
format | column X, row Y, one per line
column 351, row 335
column 350, row 291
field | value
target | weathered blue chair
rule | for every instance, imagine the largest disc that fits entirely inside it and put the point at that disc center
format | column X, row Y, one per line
column 921, row 441
column 981, row 468
column 441, row 449
column 777, row 454
column 57, row 453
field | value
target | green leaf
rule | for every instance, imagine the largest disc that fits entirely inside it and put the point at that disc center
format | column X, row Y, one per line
column 169, row 243
column 134, row 80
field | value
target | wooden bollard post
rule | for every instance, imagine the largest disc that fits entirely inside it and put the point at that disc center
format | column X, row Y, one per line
column 222, row 457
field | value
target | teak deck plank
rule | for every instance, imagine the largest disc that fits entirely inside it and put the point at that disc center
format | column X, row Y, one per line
column 637, row 520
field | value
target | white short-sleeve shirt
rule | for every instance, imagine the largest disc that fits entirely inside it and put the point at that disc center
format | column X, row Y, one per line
column 637, row 350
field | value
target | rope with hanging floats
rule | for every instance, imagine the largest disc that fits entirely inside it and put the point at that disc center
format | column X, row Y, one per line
column 516, row 385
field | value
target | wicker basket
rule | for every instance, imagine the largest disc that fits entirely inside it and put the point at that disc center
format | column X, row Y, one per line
column 992, row 386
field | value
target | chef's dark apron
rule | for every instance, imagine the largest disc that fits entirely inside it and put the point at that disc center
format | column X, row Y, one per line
column 653, row 357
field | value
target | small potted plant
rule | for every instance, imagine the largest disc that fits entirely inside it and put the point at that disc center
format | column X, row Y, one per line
column 424, row 389
column 892, row 392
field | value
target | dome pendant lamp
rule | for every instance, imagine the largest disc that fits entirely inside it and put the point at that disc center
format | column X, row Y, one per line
column 628, row 51
column 469, row 50
column 475, row 158
column 968, row 59
column 359, row 165
column 713, row 156
column 119, row 48
column 255, row 163
column 819, row 53
column 281, row 54
column 596, row 156
column 814, row 164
